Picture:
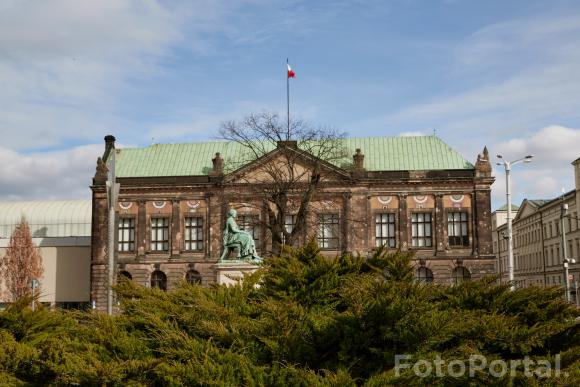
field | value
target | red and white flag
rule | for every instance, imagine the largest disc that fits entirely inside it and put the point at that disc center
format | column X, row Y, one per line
column 291, row 73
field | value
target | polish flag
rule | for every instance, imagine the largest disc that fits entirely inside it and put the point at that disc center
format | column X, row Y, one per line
column 291, row 73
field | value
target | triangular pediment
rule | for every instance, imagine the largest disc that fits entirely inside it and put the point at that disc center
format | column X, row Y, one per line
column 285, row 164
column 526, row 209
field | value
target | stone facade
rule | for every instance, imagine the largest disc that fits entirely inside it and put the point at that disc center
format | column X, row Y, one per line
column 356, row 198
column 537, row 239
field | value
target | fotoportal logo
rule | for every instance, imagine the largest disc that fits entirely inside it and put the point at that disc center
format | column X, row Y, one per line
column 458, row 368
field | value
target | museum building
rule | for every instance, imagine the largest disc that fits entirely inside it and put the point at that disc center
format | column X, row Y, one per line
column 406, row 193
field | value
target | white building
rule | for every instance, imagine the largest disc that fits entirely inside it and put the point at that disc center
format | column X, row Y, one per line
column 62, row 231
column 537, row 239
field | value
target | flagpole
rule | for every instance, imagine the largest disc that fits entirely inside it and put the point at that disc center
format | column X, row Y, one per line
column 288, row 99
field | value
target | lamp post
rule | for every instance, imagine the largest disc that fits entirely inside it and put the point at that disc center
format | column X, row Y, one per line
column 33, row 285
column 566, row 261
column 508, row 167
column 112, row 196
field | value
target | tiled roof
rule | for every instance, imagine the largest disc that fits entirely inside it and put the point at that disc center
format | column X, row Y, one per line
column 47, row 218
column 381, row 154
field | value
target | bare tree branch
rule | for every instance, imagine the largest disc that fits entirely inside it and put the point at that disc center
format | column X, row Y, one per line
column 294, row 176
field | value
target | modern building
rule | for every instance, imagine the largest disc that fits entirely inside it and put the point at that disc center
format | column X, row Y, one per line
column 408, row 193
column 62, row 232
column 537, row 239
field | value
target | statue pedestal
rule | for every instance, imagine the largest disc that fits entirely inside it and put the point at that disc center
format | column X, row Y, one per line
column 232, row 273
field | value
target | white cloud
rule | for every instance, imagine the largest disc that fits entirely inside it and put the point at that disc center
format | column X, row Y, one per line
column 554, row 148
column 64, row 64
column 49, row 175
column 506, row 77
column 411, row 134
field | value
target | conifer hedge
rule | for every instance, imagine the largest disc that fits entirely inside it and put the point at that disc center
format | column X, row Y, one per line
column 302, row 320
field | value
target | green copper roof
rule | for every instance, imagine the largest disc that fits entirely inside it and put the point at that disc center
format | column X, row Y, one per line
column 381, row 154
column 515, row 207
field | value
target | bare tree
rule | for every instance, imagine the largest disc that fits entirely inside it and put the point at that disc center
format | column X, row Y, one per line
column 290, row 177
column 21, row 263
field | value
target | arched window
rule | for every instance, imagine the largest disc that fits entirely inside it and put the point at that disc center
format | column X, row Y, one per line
column 159, row 280
column 461, row 274
column 424, row 274
column 193, row 277
column 125, row 275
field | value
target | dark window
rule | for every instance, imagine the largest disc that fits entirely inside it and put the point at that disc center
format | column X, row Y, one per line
column 328, row 231
column 289, row 224
column 159, row 234
column 194, row 234
column 385, row 230
column 461, row 274
column 126, row 234
column 159, row 280
column 125, row 275
column 250, row 224
column 457, row 229
column 424, row 274
column 421, row 229
column 193, row 277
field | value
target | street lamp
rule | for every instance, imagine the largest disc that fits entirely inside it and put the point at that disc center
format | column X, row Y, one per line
column 566, row 261
column 508, row 167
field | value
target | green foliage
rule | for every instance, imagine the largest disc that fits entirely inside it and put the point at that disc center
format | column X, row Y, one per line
column 302, row 320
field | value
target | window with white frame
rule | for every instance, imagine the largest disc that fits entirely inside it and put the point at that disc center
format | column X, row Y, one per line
column 126, row 236
column 289, row 224
column 193, row 233
column 328, row 231
column 159, row 234
column 385, row 230
column 457, row 229
column 421, row 230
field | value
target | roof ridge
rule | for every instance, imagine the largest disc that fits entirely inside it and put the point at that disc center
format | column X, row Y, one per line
column 383, row 153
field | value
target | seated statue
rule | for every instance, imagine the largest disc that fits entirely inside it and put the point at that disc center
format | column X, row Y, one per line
column 235, row 238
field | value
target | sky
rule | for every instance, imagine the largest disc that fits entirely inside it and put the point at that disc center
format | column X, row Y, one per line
column 502, row 74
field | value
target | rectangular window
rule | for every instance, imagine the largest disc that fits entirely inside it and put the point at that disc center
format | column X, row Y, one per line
column 251, row 224
column 159, row 234
column 421, row 230
column 328, row 231
column 457, row 229
column 289, row 224
column 194, row 233
column 126, row 234
column 385, row 230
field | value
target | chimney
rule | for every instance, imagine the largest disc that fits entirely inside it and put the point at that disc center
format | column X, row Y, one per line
column 109, row 145
column 359, row 160
column 358, row 170
column 218, row 165
column 287, row 144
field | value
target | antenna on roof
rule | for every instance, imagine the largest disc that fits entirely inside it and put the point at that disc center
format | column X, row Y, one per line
column 434, row 132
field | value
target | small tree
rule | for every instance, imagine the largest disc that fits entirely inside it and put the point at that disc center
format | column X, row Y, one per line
column 284, row 182
column 21, row 263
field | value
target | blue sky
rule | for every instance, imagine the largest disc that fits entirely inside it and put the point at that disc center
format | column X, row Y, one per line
column 499, row 73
